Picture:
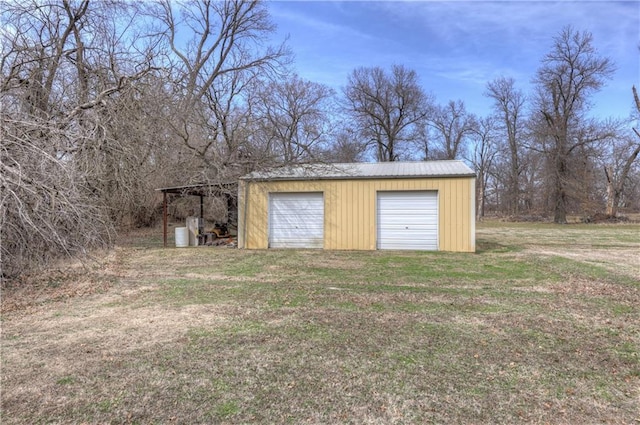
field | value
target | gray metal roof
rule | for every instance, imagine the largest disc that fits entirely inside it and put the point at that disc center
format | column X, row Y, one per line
column 366, row 170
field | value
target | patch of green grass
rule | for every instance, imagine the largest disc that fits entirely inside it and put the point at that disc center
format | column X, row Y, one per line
column 66, row 380
column 227, row 409
column 309, row 332
column 106, row 405
column 346, row 305
column 625, row 310
column 628, row 351
column 292, row 298
column 493, row 247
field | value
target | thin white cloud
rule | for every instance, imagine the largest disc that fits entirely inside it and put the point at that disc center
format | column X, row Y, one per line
column 530, row 24
column 315, row 25
column 457, row 45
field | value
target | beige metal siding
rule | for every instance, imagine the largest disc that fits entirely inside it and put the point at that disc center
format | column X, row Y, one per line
column 350, row 210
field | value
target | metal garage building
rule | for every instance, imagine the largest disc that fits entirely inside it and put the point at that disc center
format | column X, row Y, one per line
column 428, row 205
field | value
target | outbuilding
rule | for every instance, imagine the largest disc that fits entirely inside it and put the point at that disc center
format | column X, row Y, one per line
column 425, row 205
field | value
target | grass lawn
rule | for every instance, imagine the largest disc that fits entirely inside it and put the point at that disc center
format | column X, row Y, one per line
column 541, row 325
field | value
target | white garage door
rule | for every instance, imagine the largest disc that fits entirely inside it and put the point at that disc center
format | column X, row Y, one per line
column 408, row 220
column 296, row 220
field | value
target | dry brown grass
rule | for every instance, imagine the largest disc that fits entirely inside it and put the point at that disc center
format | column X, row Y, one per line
column 541, row 326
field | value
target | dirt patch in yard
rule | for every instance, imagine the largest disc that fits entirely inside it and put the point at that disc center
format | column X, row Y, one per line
column 618, row 260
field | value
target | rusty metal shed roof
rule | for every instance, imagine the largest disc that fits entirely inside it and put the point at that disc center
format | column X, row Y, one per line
column 201, row 189
column 366, row 170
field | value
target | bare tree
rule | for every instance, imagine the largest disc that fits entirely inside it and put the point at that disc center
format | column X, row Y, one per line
column 295, row 116
column 618, row 166
column 484, row 154
column 509, row 107
column 217, row 48
column 346, row 146
column 386, row 107
column 46, row 206
column 63, row 64
column 453, row 125
column 569, row 74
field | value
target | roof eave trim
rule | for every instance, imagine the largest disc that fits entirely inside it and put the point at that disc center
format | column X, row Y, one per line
column 309, row 178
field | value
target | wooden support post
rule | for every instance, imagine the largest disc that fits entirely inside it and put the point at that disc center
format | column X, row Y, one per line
column 164, row 218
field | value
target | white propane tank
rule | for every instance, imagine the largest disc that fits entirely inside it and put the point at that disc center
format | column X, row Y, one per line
column 182, row 237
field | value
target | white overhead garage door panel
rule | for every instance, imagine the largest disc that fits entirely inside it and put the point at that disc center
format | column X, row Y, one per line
column 296, row 220
column 408, row 220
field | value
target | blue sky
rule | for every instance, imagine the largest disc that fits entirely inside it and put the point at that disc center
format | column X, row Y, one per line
column 456, row 47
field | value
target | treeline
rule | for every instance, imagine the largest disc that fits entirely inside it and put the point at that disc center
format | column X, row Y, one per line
column 104, row 101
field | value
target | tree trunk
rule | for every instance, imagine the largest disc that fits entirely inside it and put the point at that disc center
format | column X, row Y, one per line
column 481, row 189
column 514, row 195
column 560, row 192
column 615, row 187
column 613, row 196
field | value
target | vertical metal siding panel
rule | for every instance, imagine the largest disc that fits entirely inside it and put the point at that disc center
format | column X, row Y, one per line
column 250, row 199
column 329, row 230
column 445, row 218
column 472, row 218
column 366, row 213
column 464, row 215
column 455, row 214
column 338, row 214
column 442, row 211
column 343, row 218
column 355, row 214
column 259, row 211
column 326, row 190
column 346, row 216
column 362, row 218
column 453, row 217
column 340, row 208
column 254, row 199
column 334, row 211
column 370, row 212
column 361, row 215
column 362, row 228
column 356, row 217
column 370, row 215
column 376, row 186
column 455, row 195
column 460, row 224
column 352, row 213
